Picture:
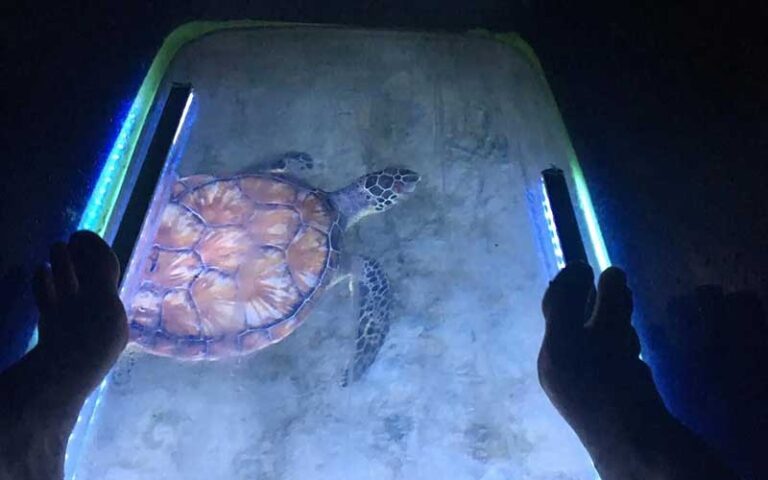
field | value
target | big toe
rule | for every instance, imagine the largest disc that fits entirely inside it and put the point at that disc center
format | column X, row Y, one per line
column 95, row 262
column 614, row 299
column 611, row 322
column 567, row 298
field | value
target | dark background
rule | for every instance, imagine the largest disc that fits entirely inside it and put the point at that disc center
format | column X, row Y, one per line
column 665, row 101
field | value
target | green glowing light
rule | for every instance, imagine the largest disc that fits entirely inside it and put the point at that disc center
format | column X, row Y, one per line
column 590, row 217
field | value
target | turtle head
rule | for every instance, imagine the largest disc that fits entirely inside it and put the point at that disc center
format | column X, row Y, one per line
column 376, row 192
column 386, row 188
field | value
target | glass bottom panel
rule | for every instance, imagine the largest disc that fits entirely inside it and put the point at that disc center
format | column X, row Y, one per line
column 453, row 392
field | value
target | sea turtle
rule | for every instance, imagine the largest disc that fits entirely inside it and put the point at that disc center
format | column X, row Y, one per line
column 238, row 262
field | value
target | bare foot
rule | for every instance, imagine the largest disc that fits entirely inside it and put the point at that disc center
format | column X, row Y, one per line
column 590, row 369
column 83, row 328
column 82, row 331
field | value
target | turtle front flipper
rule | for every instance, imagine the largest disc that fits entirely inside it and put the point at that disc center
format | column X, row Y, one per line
column 293, row 163
column 374, row 299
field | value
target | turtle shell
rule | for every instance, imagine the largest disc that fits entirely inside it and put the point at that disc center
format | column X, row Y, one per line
column 234, row 267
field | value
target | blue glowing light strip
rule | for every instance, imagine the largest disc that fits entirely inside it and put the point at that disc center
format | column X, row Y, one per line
column 102, row 202
column 553, row 236
column 88, row 413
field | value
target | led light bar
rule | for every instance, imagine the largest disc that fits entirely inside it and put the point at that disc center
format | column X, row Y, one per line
column 561, row 219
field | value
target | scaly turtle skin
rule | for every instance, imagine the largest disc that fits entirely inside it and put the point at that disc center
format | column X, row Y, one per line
column 238, row 262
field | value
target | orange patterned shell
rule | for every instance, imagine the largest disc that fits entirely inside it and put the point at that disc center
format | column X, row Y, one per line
column 234, row 267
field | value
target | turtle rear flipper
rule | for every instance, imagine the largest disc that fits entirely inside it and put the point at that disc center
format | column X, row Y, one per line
column 374, row 300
